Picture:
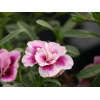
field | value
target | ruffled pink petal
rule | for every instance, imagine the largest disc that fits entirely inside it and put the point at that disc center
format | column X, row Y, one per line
column 48, row 71
column 4, row 63
column 97, row 60
column 4, row 51
column 11, row 73
column 14, row 56
column 28, row 60
column 64, row 62
column 45, row 58
column 84, row 83
column 41, row 58
column 36, row 44
column 56, row 48
column 30, row 51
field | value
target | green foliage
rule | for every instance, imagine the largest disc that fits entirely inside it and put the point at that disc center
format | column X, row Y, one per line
column 89, row 72
column 27, row 29
column 10, row 36
column 72, row 51
column 52, row 81
column 45, row 24
column 79, row 33
column 96, row 81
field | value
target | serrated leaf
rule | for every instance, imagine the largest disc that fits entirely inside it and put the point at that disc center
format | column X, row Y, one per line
column 10, row 36
column 27, row 29
column 52, row 81
column 73, row 51
column 89, row 72
column 79, row 33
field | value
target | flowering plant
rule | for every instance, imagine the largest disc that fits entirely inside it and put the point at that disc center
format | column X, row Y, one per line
column 27, row 60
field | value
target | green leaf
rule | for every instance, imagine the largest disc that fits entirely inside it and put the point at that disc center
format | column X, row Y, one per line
column 10, row 36
column 7, row 14
column 32, row 78
column 27, row 29
column 27, row 82
column 89, row 72
column 17, row 83
column 52, row 81
column 95, row 80
column 79, row 33
column 11, row 27
column 3, row 21
column 68, row 25
column 94, row 15
column 73, row 51
column 50, row 85
column 44, row 23
column 18, row 78
column 19, row 49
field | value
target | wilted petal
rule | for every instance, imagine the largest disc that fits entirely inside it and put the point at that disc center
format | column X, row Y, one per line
column 28, row 60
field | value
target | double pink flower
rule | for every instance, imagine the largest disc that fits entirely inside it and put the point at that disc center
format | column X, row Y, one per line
column 50, row 56
column 8, row 65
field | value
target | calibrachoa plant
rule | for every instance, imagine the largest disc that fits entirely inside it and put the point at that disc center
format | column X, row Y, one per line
column 50, row 56
column 44, row 63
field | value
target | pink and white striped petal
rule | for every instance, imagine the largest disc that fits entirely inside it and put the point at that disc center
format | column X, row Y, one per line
column 28, row 60
column 36, row 44
column 56, row 48
column 64, row 62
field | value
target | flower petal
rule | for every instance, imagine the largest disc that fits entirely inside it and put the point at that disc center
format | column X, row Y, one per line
column 4, row 51
column 97, row 60
column 36, row 44
column 28, row 60
column 14, row 56
column 11, row 73
column 48, row 70
column 64, row 62
column 56, row 48
column 84, row 83
column 4, row 63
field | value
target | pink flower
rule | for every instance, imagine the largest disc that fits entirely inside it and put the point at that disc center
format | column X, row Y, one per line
column 86, row 82
column 8, row 65
column 50, row 56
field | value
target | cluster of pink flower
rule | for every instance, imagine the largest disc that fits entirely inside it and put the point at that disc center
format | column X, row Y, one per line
column 50, row 57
